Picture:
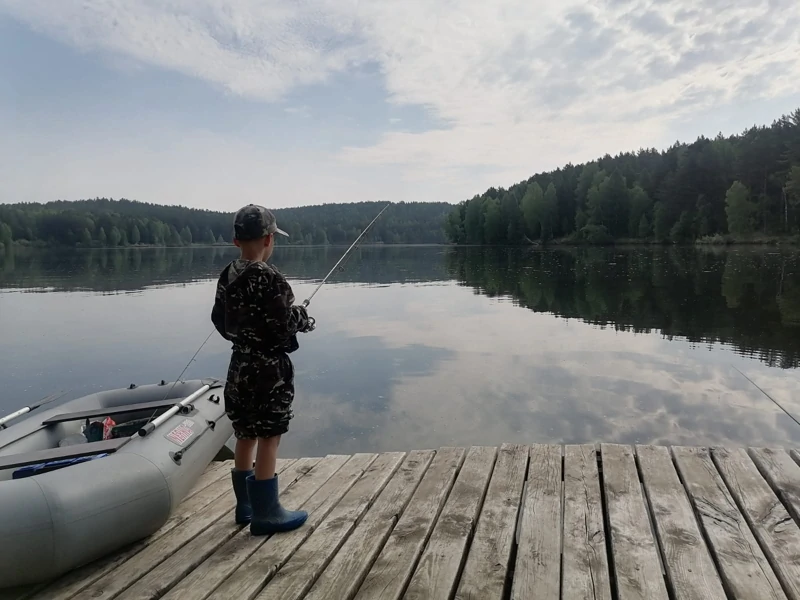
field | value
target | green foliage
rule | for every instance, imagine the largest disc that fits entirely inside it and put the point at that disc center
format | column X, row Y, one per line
column 114, row 238
column 660, row 222
column 740, row 210
column 596, row 234
column 494, row 232
column 186, row 235
column 473, row 221
column 617, row 192
column 102, row 237
column 6, row 237
column 86, row 238
column 645, row 228
column 682, row 230
column 532, row 204
column 136, row 236
column 641, row 205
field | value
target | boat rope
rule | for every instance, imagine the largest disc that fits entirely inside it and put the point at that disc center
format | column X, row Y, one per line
column 778, row 404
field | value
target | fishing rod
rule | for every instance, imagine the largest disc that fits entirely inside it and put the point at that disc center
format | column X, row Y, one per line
column 305, row 304
column 27, row 409
column 758, row 387
column 307, row 301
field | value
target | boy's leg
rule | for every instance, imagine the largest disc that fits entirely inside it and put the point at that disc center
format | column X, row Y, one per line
column 267, row 457
column 244, row 454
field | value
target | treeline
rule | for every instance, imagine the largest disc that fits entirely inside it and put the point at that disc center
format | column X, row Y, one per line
column 104, row 222
column 737, row 186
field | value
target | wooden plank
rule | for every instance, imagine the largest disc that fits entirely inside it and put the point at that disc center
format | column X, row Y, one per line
column 437, row 573
column 301, row 570
column 783, row 474
column 537, row 573
column 296, row 486
column 254, row 559
column 74, row 582
column 585, row 569
column 691, row 571
column 772, row 525
column 742, row 565
column 486, row 569
column 389, row 575
column 214, row 472
column 134, row 568
column 347, row 569
column 634, row 552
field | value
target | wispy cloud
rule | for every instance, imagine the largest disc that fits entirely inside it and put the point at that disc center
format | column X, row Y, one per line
column 517, row 84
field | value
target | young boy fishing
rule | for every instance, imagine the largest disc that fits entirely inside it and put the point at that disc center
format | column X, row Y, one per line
column 254, row 309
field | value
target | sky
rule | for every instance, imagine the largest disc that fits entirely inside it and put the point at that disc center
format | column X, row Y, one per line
column 216, row 103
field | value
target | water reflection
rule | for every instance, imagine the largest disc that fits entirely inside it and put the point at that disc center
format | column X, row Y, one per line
column 422, row 347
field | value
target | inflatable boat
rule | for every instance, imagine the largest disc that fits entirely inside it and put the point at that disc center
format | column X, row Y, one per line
column 87, row 477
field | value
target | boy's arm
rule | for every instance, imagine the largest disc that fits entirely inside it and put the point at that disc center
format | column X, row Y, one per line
column 218, row 312
column 283, row 319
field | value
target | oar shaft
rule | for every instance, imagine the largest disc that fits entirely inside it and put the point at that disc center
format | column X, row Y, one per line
column 14, row 415
column 152, row 425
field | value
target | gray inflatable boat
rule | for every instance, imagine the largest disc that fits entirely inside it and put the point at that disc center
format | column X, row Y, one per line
column 89, row 476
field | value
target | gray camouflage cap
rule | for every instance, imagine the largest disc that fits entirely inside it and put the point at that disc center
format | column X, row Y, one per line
column 253, row 222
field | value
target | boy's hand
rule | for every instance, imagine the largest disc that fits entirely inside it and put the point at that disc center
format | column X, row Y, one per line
column 306, row 323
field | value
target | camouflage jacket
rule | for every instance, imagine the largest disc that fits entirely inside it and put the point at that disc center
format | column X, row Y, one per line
column 254, row 309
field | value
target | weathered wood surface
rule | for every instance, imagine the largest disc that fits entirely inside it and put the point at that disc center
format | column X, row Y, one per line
column 485, row 573
column 522, row 522
column 635, row 555
column 688, row 561
column 586, row 575
column 389, row 575
column 345, row 572
column 783, row 475
column 766, row 515
column 537, row 573
column 436, row 575
column 742, row 564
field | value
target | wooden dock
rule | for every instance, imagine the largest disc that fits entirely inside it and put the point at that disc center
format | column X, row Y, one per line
column 542, row 522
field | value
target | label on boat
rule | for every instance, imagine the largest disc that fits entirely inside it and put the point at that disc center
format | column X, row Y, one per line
column 181, row 433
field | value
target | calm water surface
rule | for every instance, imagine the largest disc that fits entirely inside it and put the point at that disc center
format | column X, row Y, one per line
column 419, row 347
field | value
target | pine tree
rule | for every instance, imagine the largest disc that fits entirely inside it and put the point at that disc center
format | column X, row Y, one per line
column 644, row 227
column 186, row 235
column 114, row 237
column 740, row 210
column 6, row 237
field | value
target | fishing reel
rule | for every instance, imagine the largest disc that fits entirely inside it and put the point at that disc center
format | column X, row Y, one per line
column 312, row 325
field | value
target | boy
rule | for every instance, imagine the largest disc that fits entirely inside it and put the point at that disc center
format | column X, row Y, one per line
column 253, row 308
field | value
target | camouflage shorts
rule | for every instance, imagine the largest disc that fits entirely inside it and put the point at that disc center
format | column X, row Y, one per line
column 258, row 395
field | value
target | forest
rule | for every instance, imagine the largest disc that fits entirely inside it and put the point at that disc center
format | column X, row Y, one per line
column 103, row 222
column 738, row 188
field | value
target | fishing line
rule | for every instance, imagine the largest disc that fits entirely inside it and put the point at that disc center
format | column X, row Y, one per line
column 788, row 414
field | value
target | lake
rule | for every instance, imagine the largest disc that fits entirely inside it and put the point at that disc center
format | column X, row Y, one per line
column 421, row 347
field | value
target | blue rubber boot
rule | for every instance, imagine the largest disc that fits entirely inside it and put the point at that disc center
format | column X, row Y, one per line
column 268, row 514
column 244, row 512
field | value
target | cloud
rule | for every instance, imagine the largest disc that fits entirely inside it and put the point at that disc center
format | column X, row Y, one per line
column 514, row 86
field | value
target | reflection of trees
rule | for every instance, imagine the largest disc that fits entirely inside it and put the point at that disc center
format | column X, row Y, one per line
column 749, row 299
column 129, row 269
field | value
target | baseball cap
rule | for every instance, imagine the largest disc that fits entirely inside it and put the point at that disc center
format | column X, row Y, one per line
column 253, row 222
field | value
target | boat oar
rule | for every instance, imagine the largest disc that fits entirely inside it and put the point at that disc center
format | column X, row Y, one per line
column 27, row 409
